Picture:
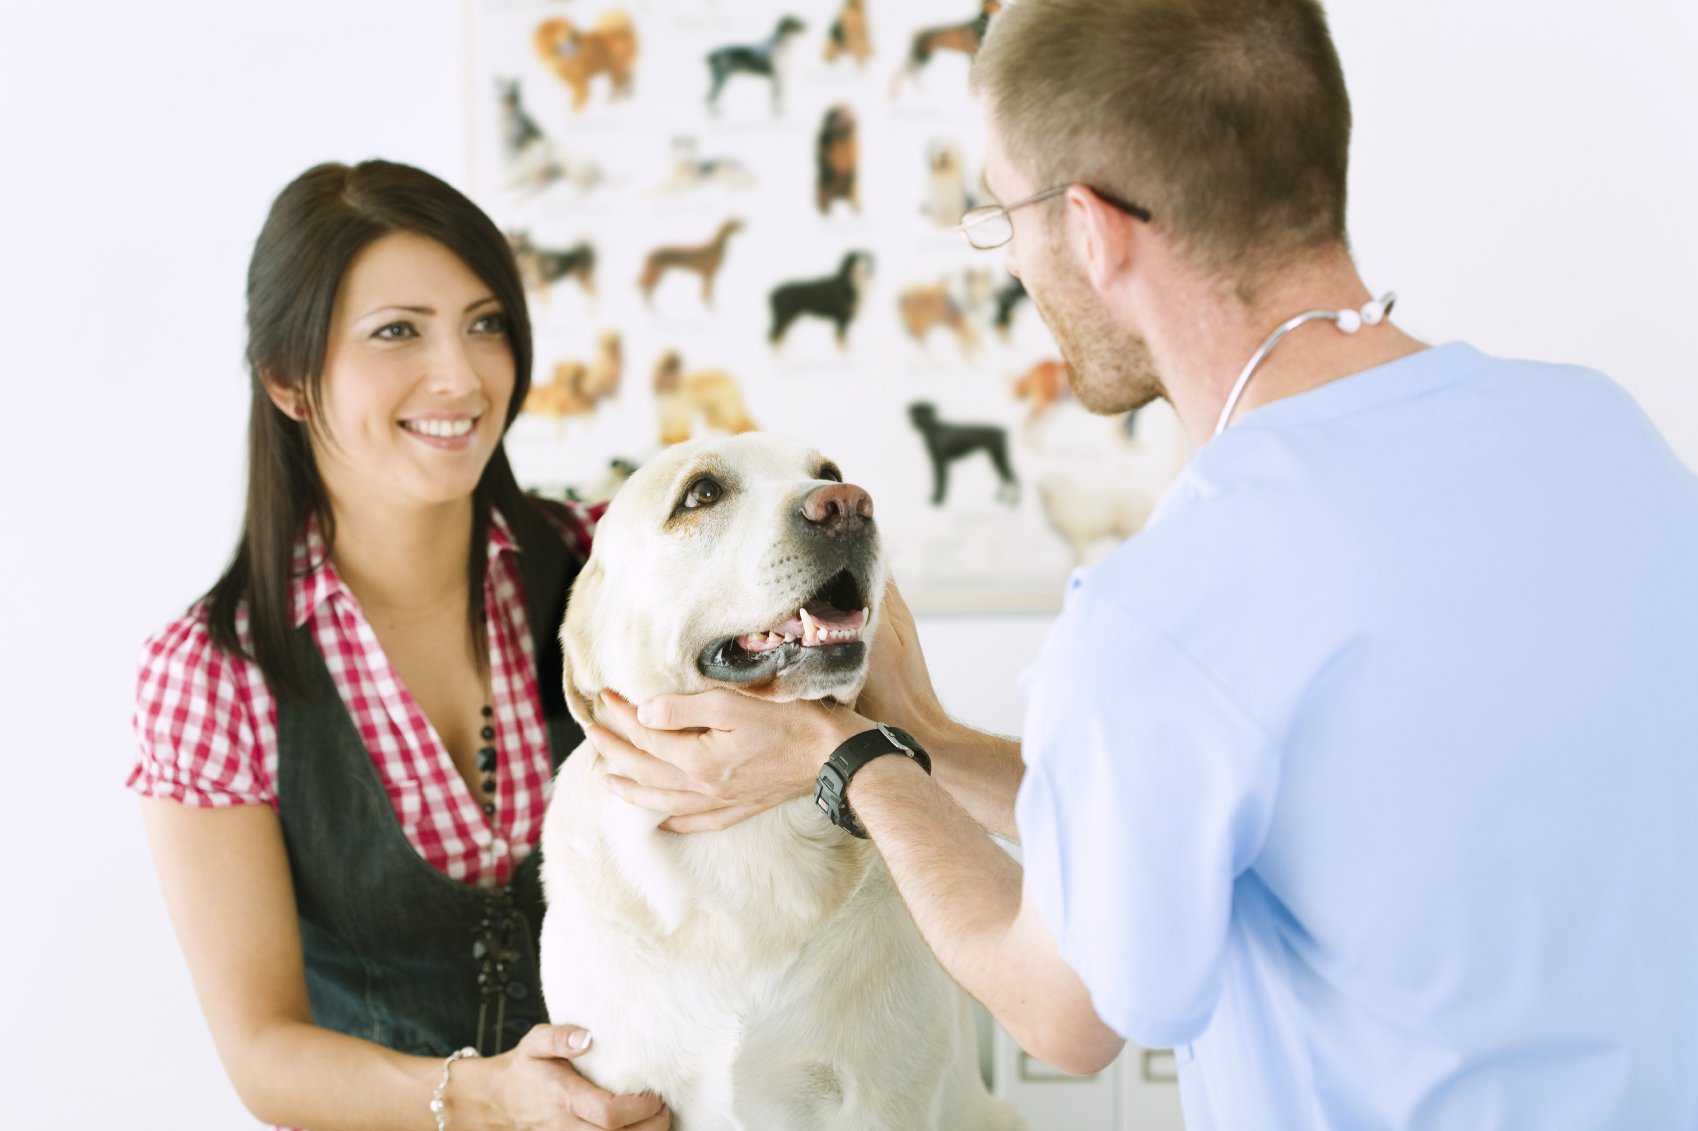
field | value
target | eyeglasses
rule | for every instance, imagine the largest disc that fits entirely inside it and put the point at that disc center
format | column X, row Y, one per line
column 988, row 225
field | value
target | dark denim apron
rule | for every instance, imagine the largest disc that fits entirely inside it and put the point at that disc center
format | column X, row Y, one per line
column 396, row 952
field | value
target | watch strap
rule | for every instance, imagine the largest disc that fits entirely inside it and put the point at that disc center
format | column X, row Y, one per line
column 832, row 784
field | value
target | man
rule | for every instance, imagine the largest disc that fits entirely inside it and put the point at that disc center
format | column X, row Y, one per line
column 1363, row 775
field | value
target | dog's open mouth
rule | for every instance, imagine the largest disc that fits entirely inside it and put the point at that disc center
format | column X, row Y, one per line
column 833, row 618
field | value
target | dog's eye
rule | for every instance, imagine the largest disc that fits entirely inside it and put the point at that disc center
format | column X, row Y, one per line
column 830, row 471
column 704, row 492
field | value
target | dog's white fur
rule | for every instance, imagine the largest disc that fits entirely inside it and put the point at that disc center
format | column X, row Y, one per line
column 765, row 977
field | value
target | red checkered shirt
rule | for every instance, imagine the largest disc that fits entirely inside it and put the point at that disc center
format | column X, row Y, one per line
column 206, row 722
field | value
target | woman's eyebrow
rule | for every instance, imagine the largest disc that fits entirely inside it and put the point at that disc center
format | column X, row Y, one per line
column 428, row 310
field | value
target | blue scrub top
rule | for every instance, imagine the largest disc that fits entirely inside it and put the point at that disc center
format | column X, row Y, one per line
column 1367, row 774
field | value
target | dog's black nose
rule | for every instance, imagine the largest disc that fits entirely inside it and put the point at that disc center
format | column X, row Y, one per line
column 837, row 503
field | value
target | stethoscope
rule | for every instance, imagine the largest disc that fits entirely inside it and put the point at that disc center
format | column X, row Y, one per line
column 1348, row 321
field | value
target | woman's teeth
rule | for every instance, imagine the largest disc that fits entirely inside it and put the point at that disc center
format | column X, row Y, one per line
column 447, row 429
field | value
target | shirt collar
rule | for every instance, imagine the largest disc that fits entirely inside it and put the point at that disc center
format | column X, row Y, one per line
column 316, row 580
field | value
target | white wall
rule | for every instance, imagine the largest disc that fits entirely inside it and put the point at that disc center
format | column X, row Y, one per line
column 1524, row 177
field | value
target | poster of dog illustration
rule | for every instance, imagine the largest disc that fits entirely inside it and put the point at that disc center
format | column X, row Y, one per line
column 737, row 216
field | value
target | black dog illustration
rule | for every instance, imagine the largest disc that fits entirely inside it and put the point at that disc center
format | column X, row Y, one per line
column 946, row 443
column 1007, row 298
column 760, row 59
column 836, row 298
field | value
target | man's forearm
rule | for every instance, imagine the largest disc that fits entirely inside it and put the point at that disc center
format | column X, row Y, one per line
column 964, row 893
column 980, row 770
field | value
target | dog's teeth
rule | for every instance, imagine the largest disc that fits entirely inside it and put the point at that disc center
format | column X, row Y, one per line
column 774, row 639
column 808, row 628
column 789, row 638
column 866, row 613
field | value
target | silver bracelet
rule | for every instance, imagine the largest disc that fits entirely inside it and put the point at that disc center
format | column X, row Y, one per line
column 437, row 1107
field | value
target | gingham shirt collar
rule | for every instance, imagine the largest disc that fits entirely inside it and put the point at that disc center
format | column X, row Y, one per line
column 316, row 579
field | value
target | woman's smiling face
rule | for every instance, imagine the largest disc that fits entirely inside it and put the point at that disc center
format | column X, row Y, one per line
column 418, row 374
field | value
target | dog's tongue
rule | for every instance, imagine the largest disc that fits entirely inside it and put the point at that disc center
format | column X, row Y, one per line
column 813, row 626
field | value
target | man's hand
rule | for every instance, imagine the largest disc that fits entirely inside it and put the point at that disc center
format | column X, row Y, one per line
column 718, row 757
column 899, row 688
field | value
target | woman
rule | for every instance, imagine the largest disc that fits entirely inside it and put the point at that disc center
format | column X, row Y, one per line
column 345, row 743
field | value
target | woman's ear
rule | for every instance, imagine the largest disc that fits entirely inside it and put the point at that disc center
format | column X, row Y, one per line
column 580, row 674
column 291, row 400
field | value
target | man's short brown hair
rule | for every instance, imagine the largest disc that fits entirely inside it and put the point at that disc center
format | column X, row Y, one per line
column 1228, row 119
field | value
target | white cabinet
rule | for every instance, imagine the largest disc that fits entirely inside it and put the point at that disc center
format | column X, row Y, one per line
column 1138, row 1092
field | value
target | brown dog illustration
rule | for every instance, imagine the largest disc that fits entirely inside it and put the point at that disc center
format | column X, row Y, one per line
column 836, row 154
column 963, row 37
column 578, row 386
column 576, row 56
column 849, row 35
column 1044, row 384
column 927, row 306
column 705, row 260
column 709, row 395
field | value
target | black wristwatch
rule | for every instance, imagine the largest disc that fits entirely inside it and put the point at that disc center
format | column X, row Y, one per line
column 833, row 780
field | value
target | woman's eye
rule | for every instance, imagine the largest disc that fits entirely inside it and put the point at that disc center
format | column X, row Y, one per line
column 491, row 324
column 704, row 492
column 396, row 331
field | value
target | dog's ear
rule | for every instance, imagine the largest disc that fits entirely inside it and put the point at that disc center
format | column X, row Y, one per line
column 580, row 674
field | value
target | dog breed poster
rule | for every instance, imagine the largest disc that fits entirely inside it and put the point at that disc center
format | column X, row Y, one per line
column 741, row 216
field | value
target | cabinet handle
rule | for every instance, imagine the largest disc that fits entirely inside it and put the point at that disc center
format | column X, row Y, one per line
column 1034, row 1071
column 1159, row 1067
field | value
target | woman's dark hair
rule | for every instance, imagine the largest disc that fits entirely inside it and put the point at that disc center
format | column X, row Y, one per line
column 316, row 228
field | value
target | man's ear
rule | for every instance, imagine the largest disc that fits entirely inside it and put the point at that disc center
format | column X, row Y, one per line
column 580, row 674
column 1105, row 238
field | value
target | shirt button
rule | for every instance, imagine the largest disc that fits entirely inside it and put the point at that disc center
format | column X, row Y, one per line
column 517, row 991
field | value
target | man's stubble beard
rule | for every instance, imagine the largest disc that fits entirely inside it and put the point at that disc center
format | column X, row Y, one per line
column 1108, row 367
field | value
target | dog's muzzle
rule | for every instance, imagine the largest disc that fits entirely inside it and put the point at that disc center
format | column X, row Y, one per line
column 823, row 628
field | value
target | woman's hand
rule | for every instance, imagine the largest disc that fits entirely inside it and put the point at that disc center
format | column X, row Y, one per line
column 534, row 1087
column 718, row 757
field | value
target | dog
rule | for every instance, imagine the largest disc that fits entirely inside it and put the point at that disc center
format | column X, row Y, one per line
column 1044, row 384
column 947, row 198
column 576, row 387
column 540, row 268
column 1084, row 514
column 533, row 160
column 963, row 37
column 926, row 306
column 705, row 260
column 946, row 443
column 836, row 298
column 575, row 56
column 849, row 34
column 1008, row 297
column 767, row 975
column 762, row 59
column 690, row 171
column 835, row 157
column 709, row 395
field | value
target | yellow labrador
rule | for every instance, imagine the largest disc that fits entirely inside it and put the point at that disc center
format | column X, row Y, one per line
column 766, row 977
